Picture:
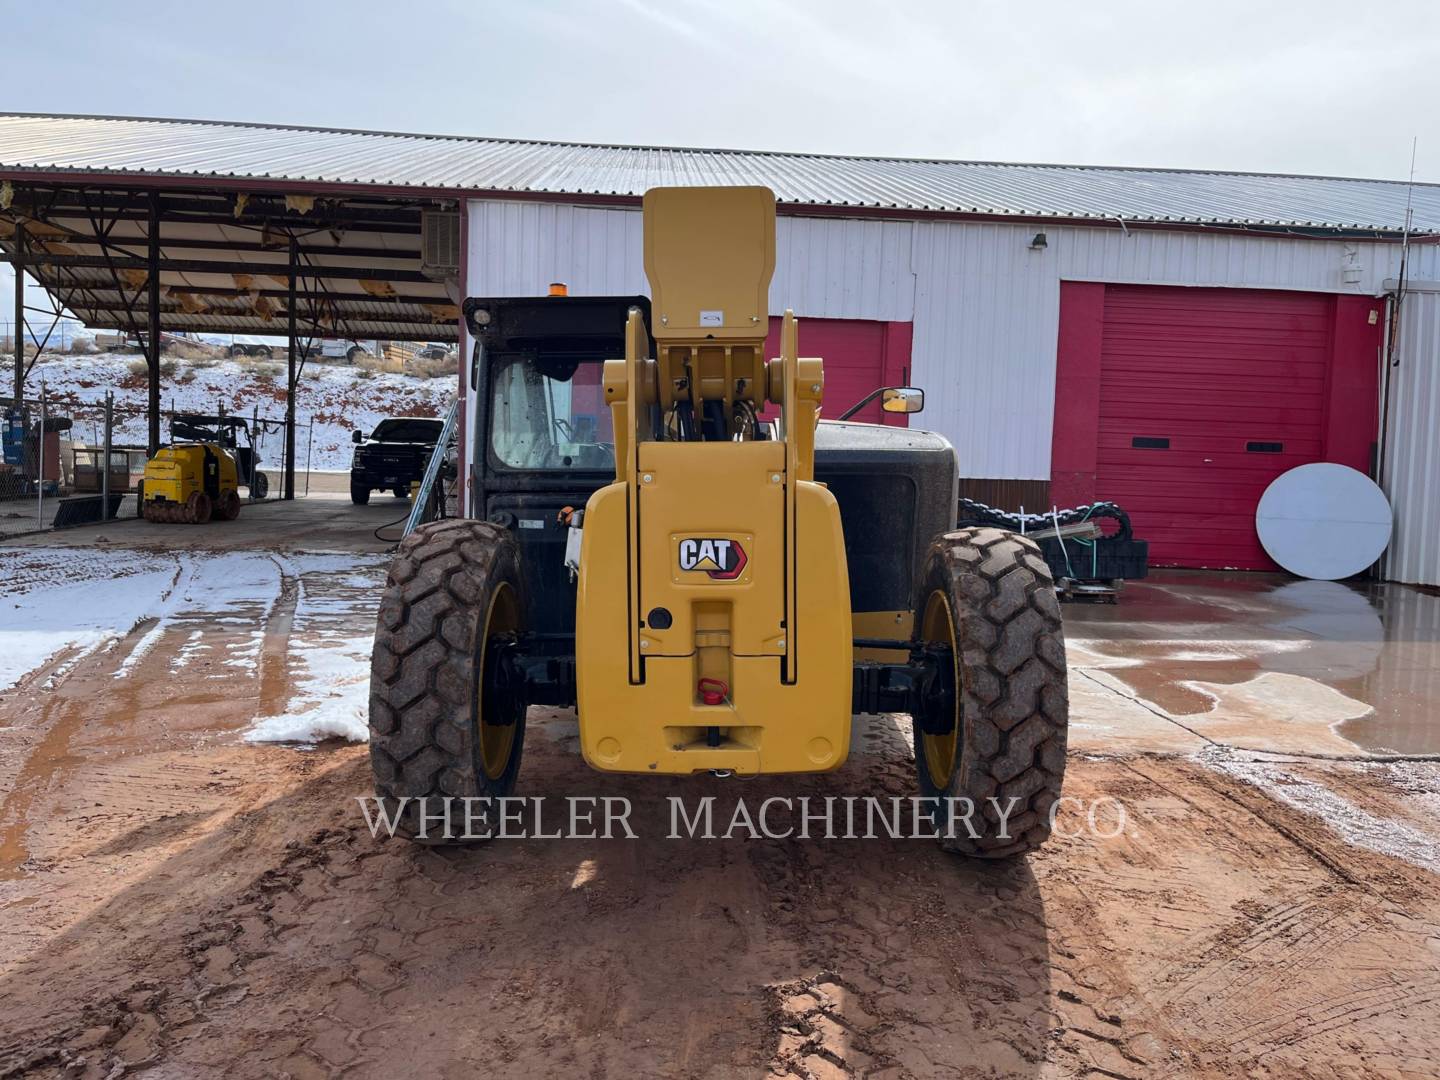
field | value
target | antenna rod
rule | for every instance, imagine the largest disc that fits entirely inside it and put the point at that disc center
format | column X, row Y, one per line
column 1392, row 344
column 1404, row 256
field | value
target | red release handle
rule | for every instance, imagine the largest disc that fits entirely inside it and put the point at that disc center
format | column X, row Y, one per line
column 716, row 692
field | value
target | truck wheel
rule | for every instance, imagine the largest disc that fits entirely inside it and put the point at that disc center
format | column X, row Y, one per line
column 994, row 739
column 229, row 508
column 447, row 701
column 260, row 487
column 402, row 491
column 360, row 496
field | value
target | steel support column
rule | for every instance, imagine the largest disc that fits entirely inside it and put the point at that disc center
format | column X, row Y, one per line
column 19, row 324
column 292, row 377
column 152, row 334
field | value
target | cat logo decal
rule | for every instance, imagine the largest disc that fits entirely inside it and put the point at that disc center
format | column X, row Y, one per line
column 721, row 559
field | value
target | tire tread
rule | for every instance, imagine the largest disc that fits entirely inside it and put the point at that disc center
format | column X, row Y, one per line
column 1014, row 697
column 422, row 739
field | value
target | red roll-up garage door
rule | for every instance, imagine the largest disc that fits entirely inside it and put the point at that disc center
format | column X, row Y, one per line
column 860, row 355
column 1206, row 395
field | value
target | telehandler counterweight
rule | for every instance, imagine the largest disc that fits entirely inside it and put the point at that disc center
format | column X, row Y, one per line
column 742, row 579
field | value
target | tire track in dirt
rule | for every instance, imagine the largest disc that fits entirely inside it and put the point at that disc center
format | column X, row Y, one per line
column 338, row 955
column 225, row 912
column 275, row 644
column 1265, row 981
column 60, row 717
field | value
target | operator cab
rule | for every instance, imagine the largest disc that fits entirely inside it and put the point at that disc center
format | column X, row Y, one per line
column 543, row 440
column 542, row 437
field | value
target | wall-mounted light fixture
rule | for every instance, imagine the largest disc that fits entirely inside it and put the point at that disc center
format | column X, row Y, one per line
column 1350, row 268
column 1039, row 243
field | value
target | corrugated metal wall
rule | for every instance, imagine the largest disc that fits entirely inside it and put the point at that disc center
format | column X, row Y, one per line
column 1412, row 458
column 985, row 309
column 839, row 269
column 986, row 318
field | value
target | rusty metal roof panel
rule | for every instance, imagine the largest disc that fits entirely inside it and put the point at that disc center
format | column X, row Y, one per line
column 237, row 152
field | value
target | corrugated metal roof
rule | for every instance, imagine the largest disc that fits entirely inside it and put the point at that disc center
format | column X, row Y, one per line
column 238, row 152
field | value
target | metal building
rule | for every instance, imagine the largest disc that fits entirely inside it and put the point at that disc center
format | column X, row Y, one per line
column 1172, row 339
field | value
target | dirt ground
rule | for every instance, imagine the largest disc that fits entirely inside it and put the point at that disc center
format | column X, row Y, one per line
column 176, row 902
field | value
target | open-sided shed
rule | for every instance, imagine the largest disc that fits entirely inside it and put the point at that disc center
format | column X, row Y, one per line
column 139, row 248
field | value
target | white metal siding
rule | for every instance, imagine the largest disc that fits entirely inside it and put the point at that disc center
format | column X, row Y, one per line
column 1215, row 259
column 825, row 268
column 517, row 249
column 1412, row 459
column 1412, row 443
column 829, row 268
column 986, row 314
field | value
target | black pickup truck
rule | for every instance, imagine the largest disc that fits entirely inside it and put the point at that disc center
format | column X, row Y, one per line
column 395, row 454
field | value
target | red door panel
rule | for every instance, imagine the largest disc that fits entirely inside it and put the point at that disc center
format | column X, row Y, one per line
column 860, row 355
column 1195, row 376
column 1193, row 400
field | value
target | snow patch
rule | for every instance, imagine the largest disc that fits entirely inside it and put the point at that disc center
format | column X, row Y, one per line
column 1357, row 827
column 55, row 600
column 70, row 603
column 194, row 645
column 242, row 582
column 334, row 696
column 330, row 662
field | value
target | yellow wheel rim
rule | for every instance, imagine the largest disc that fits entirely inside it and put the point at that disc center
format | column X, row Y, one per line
column 937, row 627
column 496, row 740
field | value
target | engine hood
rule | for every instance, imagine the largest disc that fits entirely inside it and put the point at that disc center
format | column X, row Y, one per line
column 848, row 435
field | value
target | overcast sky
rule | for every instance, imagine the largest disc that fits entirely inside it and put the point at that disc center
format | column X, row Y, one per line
column 1311, row 86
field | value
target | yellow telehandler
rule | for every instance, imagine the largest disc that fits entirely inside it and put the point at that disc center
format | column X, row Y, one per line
column 735, row 588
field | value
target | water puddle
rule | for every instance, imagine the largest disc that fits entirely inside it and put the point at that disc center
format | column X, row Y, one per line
column 1319, row 665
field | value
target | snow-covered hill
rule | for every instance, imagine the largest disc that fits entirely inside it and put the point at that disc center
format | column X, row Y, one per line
column 338, row 399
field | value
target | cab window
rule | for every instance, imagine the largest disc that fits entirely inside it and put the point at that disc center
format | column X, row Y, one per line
column 550, row 416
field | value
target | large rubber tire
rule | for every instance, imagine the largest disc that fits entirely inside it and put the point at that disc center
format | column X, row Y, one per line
column 454, row 590
column 360, row 496
column 228, row 509
column 402, row 491
column 261, row 487
column 987, row 593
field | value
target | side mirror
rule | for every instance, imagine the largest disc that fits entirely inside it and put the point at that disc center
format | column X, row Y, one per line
column 356, row 437
column 902, row 399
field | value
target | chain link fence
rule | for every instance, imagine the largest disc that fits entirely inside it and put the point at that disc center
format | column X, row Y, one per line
column 67, row 463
